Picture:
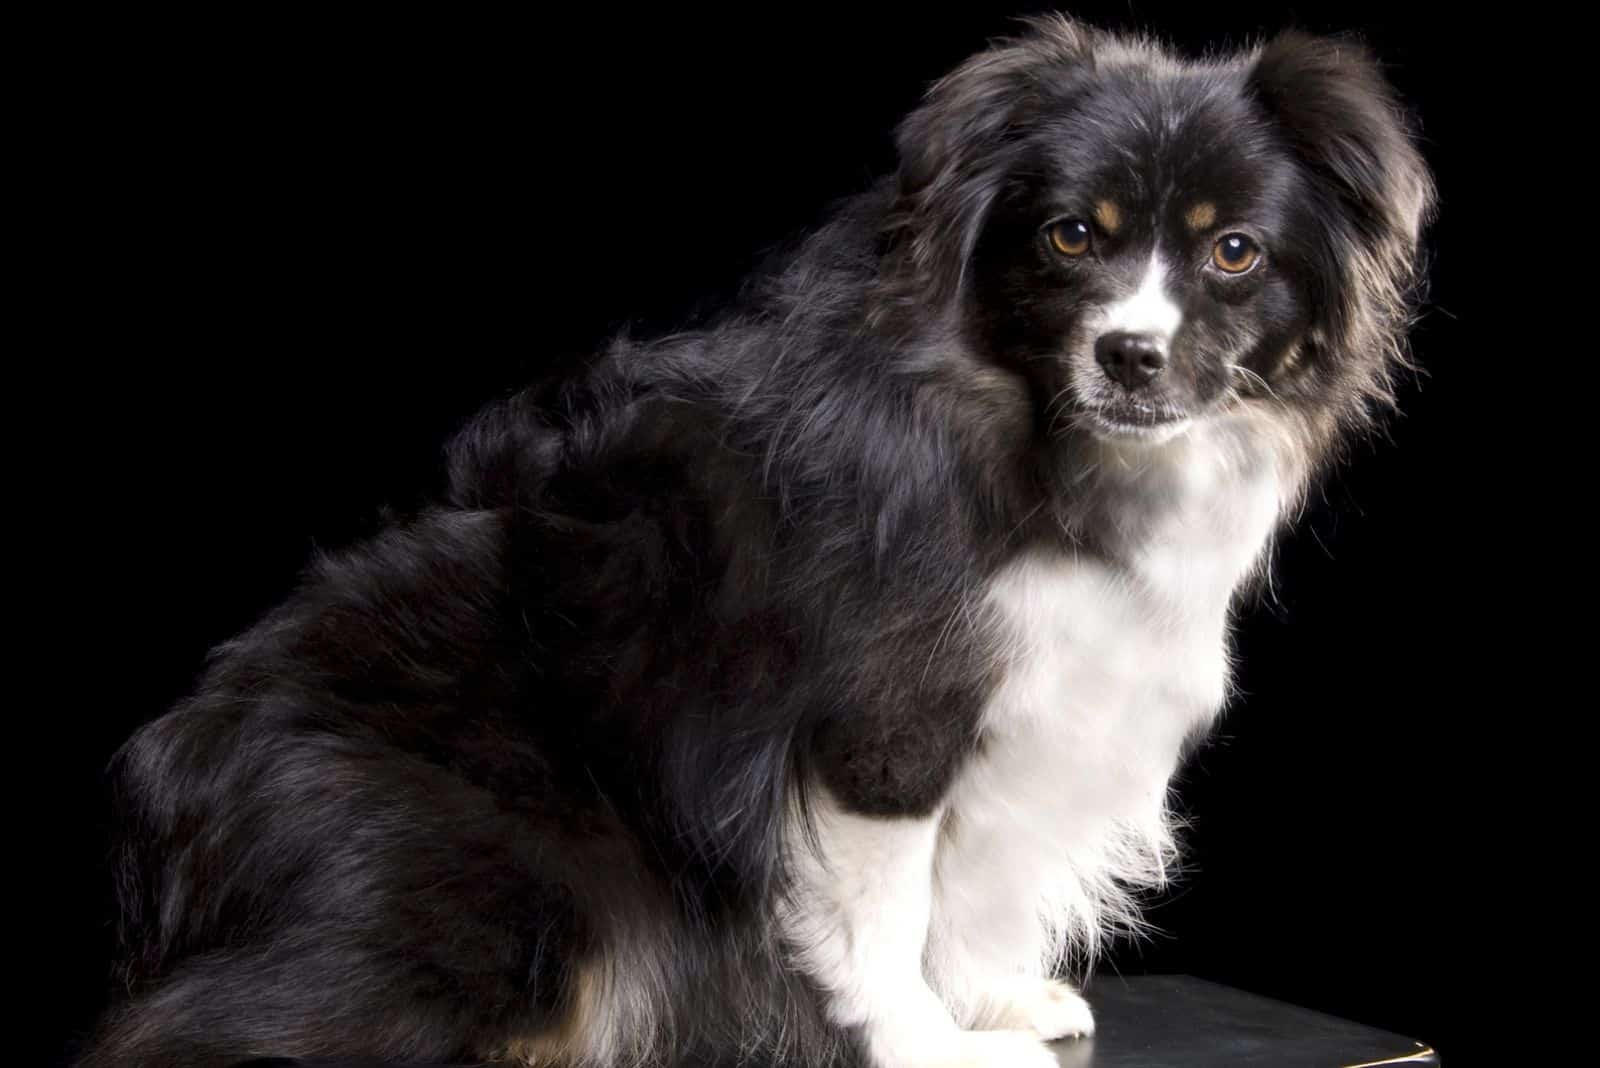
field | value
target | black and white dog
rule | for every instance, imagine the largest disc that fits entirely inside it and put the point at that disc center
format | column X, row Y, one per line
column 804, row 688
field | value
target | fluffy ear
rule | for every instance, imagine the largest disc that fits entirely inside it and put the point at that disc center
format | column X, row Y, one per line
column 1343, row 119
column 1371, row 190
column 957, row 148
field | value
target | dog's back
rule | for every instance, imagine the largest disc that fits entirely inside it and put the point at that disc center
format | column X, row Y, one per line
column 504, row 781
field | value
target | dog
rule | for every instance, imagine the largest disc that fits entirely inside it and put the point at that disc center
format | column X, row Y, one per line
column 804, row 688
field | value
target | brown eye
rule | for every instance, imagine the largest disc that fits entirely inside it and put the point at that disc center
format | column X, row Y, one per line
column 1235, row 253
column 1070, row 237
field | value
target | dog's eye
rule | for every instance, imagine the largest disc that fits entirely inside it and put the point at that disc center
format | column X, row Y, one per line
column 1235, row 253
column 1070, row 237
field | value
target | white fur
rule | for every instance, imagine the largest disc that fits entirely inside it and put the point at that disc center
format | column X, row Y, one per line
column 920, row 928
column 1062, row 818
column 1149, row 310
column 858, row 919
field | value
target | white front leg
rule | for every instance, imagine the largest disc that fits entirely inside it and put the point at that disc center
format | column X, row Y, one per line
column 857, row 919
column 989, row 944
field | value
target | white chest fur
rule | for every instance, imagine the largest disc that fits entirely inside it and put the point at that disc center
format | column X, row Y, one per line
column 1061, row 818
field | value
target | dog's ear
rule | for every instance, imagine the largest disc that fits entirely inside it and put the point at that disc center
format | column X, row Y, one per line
column 1343, row 120
column 957, row 148
column 1368, row 187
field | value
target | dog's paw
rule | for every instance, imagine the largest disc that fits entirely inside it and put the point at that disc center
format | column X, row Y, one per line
column 948, row 1047
column 1050, row 1007
column 993, row 1049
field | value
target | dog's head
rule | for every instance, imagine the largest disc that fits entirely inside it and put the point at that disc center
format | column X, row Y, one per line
column 1154, row 242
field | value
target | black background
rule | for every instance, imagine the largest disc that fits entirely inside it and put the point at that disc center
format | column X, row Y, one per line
column 294, row 255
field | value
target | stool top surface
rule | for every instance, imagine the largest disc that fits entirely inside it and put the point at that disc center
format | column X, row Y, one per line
column 1166, row 1021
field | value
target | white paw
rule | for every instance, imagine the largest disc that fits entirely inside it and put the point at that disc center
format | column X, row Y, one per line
column 992, row 1049
column 1051, row 1008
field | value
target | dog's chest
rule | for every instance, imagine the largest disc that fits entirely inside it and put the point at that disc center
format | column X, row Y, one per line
column 1106, row 669
column 1109, row 667
column 1103, row 680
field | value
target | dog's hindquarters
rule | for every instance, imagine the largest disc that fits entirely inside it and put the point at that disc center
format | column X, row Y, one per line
column 319, row 856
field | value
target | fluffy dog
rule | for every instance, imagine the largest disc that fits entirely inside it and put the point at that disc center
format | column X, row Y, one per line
column 804, row 688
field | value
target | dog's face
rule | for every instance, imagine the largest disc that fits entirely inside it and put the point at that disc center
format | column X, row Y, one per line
column 1148, row 260
column 1152, row 243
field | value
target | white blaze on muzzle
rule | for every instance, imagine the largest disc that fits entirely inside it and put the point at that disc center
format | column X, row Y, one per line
column 1149, row 310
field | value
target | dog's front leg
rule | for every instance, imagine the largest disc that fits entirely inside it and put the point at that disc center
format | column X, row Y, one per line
column 857, row 917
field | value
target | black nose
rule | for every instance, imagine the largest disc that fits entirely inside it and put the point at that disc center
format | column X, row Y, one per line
column 1131, row 359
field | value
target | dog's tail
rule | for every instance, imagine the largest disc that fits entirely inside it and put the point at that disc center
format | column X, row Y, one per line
column 342, row 1062
column 114, row 1050
column 142, row 1035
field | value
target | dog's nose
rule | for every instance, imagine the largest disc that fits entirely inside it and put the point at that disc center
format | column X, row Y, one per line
column 1131, row 359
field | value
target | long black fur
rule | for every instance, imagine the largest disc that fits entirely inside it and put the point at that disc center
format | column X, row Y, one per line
column 554, row 721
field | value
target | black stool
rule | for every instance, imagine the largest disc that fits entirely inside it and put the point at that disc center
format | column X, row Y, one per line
column 1177, row 1021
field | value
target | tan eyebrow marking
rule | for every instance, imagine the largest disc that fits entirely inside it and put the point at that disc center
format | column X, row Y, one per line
column 1108, row 216
column 1201, row 216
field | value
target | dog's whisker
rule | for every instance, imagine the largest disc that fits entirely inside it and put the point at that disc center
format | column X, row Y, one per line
column 1252, row 376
